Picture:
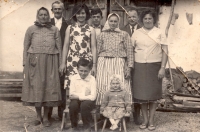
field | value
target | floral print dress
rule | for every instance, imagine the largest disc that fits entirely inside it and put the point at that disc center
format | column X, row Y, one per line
column 80, row 47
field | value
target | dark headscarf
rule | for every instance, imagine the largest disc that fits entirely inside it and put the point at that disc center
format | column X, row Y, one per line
column 38, row 23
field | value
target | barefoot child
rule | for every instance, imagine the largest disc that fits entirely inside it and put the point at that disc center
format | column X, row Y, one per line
column 82, row 94
column 116, row 102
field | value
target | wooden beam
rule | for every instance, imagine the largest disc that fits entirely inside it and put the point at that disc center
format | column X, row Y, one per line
column 170, row 18
column 11, row 80
column 11, row 95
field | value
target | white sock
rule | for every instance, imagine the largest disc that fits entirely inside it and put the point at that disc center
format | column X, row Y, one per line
column 117, row 121
column 112, row 121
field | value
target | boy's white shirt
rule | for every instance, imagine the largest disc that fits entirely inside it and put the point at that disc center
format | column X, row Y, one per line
column 79, row 86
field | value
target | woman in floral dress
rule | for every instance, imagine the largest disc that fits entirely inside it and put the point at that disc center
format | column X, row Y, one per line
column 80, row 42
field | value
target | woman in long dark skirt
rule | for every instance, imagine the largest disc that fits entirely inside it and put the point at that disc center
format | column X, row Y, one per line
column 41, row 57
column 149, row 68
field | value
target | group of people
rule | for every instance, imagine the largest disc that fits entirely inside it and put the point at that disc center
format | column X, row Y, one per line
column 116, row 70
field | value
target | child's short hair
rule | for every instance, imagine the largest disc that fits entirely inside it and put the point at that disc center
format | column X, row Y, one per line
column 84, row 62
column 95, row 11
column 115, row 77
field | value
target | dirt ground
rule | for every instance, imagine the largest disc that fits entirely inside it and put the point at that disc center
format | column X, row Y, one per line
column 17, row 118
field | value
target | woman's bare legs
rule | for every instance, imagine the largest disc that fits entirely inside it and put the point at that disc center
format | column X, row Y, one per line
column 144, row 109
column 152, row 109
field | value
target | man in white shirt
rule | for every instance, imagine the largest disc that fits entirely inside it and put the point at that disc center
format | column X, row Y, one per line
column 131, row 26
column 82, row 94
column 60, row 23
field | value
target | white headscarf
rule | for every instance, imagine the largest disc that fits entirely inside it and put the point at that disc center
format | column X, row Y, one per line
column 107, row 27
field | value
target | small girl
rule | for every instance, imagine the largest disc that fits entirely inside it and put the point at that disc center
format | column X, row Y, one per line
column 116, row 102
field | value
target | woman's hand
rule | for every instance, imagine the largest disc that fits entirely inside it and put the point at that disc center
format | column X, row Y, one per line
column 127, row 72
column 94, row 71
column 62, row 68
column 161, row 73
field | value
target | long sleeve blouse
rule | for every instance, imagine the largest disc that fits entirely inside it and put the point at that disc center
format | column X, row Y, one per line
column 115, row 44
column 42, row 40
column 119, row 98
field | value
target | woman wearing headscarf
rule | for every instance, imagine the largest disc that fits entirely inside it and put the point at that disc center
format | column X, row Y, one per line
column 80, row 42
column 149, row 68
column 41, row 58
column 115, row 56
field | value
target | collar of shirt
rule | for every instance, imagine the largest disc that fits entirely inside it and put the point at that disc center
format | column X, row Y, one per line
column 111, row 30
column 154, row 29
column 58, row 22
column 97, row 26
column 115, row 90
column 135, row 27
column 87, row 79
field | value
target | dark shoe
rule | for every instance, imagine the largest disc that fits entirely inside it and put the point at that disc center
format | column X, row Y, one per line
column 151, row 127
column 46, row 123
column 75, row 129
column 58, row 118
column 37, row 122
column 137, row 121
column 87, row 130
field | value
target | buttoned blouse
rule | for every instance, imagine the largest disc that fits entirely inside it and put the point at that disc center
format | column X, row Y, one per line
column 148, row 45
column 42, row 40
column 79, row 86
column 115, row 44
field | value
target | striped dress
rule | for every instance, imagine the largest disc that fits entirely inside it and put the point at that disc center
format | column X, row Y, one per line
column 114, row 49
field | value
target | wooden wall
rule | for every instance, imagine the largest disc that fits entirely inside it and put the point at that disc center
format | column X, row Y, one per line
column 69, row 4
column 109, row 6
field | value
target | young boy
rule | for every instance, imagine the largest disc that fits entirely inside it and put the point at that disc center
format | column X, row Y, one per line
column 96, row 17
column 82, row 94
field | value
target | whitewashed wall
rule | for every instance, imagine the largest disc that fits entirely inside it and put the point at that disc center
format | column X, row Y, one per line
column 16, row 17
column 184, row 46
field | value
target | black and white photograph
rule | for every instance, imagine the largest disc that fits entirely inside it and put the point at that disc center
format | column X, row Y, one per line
column 99, row 65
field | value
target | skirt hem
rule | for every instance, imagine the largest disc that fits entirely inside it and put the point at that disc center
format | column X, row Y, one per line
column 40, row 104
